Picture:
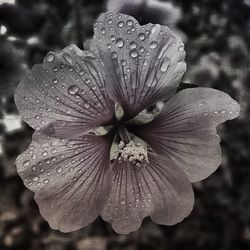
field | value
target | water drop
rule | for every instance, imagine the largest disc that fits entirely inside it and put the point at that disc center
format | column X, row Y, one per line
column 142, row 49
column 121, row 24
column 123, row 62
column 130, row 23
column 114, row 55
column 133, row 45
column 33, row 157
column 44, row 153
column 73, row 89
column 205, row 114
column 141, row 36
column 26, row 163
column 110, row 21
column 59, row 170
column 133, row 53
column 55, row 81
column 165, row 64
column 223, row 111
column 86, row 105
column 46, row 181
column 50, row 58
column 153, row 45
column 119, row 42
column 103, row 31
column 68, row 58
column 36, row 178
column 112, row 38
column 123, row 201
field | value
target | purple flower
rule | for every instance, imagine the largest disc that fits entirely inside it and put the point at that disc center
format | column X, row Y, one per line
column 98, row 150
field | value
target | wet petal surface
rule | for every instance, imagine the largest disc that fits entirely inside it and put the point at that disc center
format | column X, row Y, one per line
column 65, row 96
column 69, row 178
column 159, row 189
column 185, row 130
column 142, row 63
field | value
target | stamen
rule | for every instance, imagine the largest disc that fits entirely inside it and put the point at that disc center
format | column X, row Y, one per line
column 135, row 153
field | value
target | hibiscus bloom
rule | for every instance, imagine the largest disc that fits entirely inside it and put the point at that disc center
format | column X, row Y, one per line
column 97, row 150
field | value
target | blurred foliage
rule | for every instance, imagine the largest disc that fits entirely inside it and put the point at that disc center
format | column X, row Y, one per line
column 217, row 35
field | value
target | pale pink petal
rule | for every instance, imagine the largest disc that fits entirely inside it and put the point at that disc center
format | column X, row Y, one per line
column 142, row 63
column 185, row 130
column 65, row 95
column 159, row 188
column 70, row 178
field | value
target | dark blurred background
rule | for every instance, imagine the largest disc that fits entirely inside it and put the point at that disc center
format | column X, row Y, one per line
column 217, row 38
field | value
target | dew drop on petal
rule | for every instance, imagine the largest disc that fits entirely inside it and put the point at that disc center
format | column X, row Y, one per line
column 68, row 58
column 44, row 153
column 72, row 90
column 130, row 23
column 119, row 42
column 103, row 31
column 59, row 170
column 26, row 163
column 46, row 181
column 133, row 45
column 141, row 36
column 133, row 53
column 112, row 38
column 153, row 45
column 55, row 81
column 114, row 55
column 36, row 178
column 165, row 64
column 121, row 24
column 50, row 58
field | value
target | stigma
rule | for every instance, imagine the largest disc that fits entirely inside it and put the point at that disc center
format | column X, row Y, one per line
column 132, row 152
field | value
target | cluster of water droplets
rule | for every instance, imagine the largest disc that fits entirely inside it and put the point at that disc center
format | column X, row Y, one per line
column 220, row 112
column 68, row 86
column 140, row 55
column 55, row 161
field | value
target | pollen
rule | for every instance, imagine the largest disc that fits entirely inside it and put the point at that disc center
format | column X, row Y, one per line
column 135, row 153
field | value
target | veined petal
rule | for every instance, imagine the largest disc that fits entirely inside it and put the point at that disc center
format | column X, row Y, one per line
column 69, row 178
column 159, row 188
column 142, row 63
column 65, row 96
column 185, row 130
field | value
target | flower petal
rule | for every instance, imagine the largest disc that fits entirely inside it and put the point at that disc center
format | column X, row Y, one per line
column 65, row 95
column 69, row 178
column 185, row 130
column 158, row 188
column 152, row 11
column 142, row 63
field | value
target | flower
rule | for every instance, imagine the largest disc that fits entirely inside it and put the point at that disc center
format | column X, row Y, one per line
column 147, row 11
column 97, row 150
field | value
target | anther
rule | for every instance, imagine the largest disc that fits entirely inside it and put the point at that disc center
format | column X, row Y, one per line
column 134, row 153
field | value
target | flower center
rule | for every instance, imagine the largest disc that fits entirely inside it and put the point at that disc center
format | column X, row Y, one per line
column 132, row 152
